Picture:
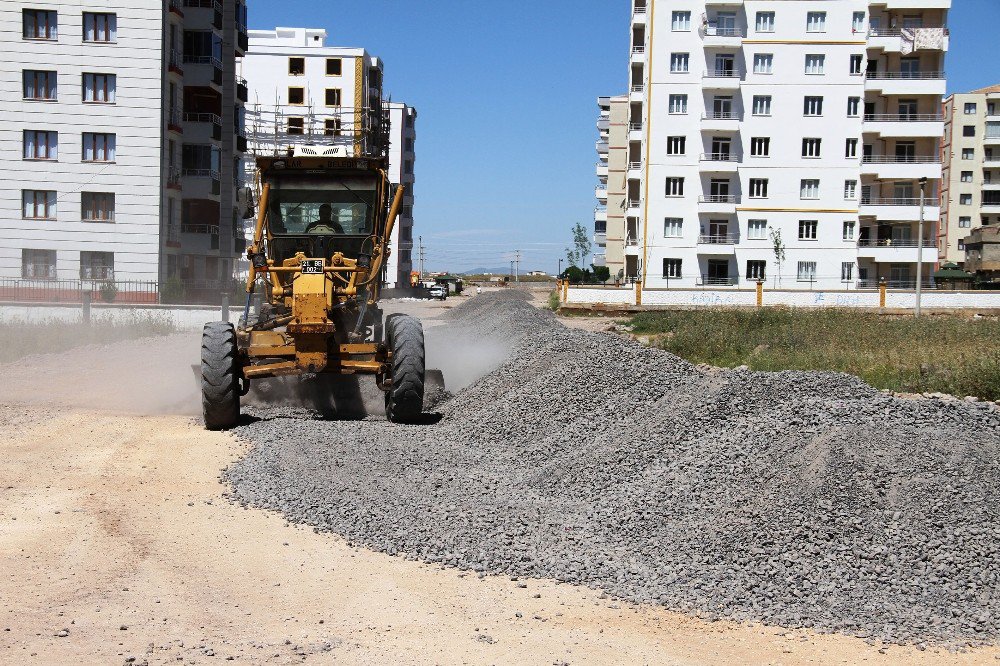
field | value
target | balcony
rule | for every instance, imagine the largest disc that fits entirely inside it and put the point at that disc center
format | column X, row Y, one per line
column 990, row 186
column 637, row 92
column 711, row 281
column 632, row 207
column 635, row 131
column 906, row 83
column 722, row 162
column 721, row 79
column 203, row 126
column 242, row 90
column 601, row 239
column 174, row 63
column 199, row 237
column 601, row 193
column 891, row 40
column 991, row 161
column 715, row 36
column 602, row 147
column 905, row 125
column 602, row 169
column 173, row 178
column 991, row 139
column 718, row 203
column 906, row 209
column 639, row 15
column 174, row 117
column 901, row 167
column 638, row 54
column 635, row 170
column 989, row 205
column 202, row 69
column 601, row 214
column 726, row 121
column 897, row 251
column 201, row 183
column 600, row 260
column 726, row 239
column 205, row 11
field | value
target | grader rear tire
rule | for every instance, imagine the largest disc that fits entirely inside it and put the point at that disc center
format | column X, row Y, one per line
column 404, row 401
column 220, row 376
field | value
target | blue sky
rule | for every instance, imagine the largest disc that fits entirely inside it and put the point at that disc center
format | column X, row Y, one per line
column 507, row 104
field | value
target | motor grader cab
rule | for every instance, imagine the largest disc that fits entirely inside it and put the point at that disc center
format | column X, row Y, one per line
column 317, row 257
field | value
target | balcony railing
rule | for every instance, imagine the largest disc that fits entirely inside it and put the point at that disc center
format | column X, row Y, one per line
column 901, row 159
column 719, row 199
column 175, row 60
column 930, row 200
column 203, row 60
column 638, row 50
column 725, row 239
column 638, row 87
column 721, row 115
column 720, row 157
column 892, row 242
column 174, row 117
column 910, row 283
column 712, row 31
column 199, row 228
column 634, row 126
column 97, row 273
column 639, row 9
column 919, row 76
column 631, row 241
column 173, row 178
column 721, row 74
column 708, row 281
column 903, row 117
column 200, row 173
column 634, row 165
column 190, row 117
column 633, row 203
column 896, row 32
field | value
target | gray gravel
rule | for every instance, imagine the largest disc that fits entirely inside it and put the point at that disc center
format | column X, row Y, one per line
column 796, row 499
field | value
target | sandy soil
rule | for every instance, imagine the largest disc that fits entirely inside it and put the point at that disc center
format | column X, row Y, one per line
column 117, row 541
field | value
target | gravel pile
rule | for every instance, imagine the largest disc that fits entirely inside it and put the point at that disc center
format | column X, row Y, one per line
column 797, row 499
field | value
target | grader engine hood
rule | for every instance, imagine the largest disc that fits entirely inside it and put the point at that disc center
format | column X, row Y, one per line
column 310, row 323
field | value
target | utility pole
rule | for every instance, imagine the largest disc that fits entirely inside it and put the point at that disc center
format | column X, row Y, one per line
column 920, row 246
column 512, row 267
column 517, row 265
column 420, row 240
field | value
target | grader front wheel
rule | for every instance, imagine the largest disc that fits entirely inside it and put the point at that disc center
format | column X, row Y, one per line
column 220, row 376
column 404, row 401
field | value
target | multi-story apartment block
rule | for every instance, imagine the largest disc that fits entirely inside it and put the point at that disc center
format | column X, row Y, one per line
column 808, row 122
column 612, row 164
column 306, row 94
column 120, row 145
column 970, row 194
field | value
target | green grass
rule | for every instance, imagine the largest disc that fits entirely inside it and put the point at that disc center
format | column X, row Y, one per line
column 19, row 339
column 554, row 301
column 947, row 354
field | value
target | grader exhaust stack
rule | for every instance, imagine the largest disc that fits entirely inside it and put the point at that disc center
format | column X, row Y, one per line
column 320, row 244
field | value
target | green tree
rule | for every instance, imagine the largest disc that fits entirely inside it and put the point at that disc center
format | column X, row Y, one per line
column 601, row 274
column 779, row 255
column 577, row 255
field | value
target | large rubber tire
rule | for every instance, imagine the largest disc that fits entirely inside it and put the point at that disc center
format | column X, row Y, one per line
column 220, row 376
column 404, row 401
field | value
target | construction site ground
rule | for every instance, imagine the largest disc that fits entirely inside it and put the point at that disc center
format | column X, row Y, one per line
column 117, row 545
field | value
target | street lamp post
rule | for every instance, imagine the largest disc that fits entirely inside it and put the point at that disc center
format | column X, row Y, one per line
column 920, row 246
column 560, row 269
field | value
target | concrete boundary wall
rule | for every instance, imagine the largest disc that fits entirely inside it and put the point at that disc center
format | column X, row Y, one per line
column 896, row 300
column 184, row 317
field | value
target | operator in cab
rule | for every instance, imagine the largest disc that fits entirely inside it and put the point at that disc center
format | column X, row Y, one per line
column 325, row 224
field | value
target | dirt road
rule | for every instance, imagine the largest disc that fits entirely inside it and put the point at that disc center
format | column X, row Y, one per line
column 117, row 542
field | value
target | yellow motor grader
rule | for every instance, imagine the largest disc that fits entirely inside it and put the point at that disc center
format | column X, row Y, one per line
column 321, row 241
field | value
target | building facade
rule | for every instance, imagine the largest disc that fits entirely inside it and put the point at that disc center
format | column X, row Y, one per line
column 612, row 163
column 97, row 172
column 303, row 92
column 970, row 194
column 784, row 142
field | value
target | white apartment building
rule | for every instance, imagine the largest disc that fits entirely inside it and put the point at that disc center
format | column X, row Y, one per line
column 805, row 121
column 120, row 129
column 970, row 196
column 304, row 93
column 612, row 155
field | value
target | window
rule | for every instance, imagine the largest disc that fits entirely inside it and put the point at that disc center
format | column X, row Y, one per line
column 98, row 206
column 334, row 66
column 809, row 188
column 816, row 22
column 296, row 66
column 847, row 271
column 296, row 125
column 38, row 204
column 100, row 27
column 813, row 106
column 760, row 146
column 333, row 96
column 98, row 147
column 807, row 271
column 761, row 105
column 853, row 107
column 963, row 222
column 99, row 88
column 672, row 227
column 97, row 266
column 38, row 264
column 858, row 22
column 675, row 187
column 851, row 148
column 765, row 21
column 297, row 96
column 850, row 189
column 849, row 229
column 758, row 188
column 755, row 270
column 857, row 64
column 966, row 176
column 970, row 108
column 756, row 229
column 676, row 145
column 763, row 63
column 39, row 24
column 965, row 199
column 968, row 153
column 815, row 63
column 332, row 127
column 679, row 62
column 812, row 147
column 680, row 21
column 969, row 130
column 961, row 245
column 41, row 145
column 678, row 104
column 39, row 84
column 671, row 269
column 807, row 229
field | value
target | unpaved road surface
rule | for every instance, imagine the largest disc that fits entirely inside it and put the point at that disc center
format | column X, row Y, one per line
column 117, row 542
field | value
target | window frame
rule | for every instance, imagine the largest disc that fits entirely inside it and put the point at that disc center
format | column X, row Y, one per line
column 672, row 140
column 812, row 102
column 110, row 27
column 809, row 186
column 51, row 204
column 752, row 224
column 51, row 30
column 849, row 231
column 675, row 270
column 758, row 185
column 765, row 100
column 677, row 97
column 338, row 94
column 760, row 141
column 51, row 148
column 812, row 148
column 685, row 21
column 673, row 223
column 851, row 148
column 680, row 58
column 760, row 272
column 674, row 187
column 340, row 66
column 110, row 87
column 808, row 230
column 818, row 65
column 101, row 207
column 292, row 61
column 300, row 91
column 51, row 78
column 810, row 271
column 104, row 149
column 764, row 15
column 821, row 22
column 52, row 271
column 766, row 60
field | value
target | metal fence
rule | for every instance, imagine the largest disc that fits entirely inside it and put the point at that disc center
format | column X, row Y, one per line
column 125, row 292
